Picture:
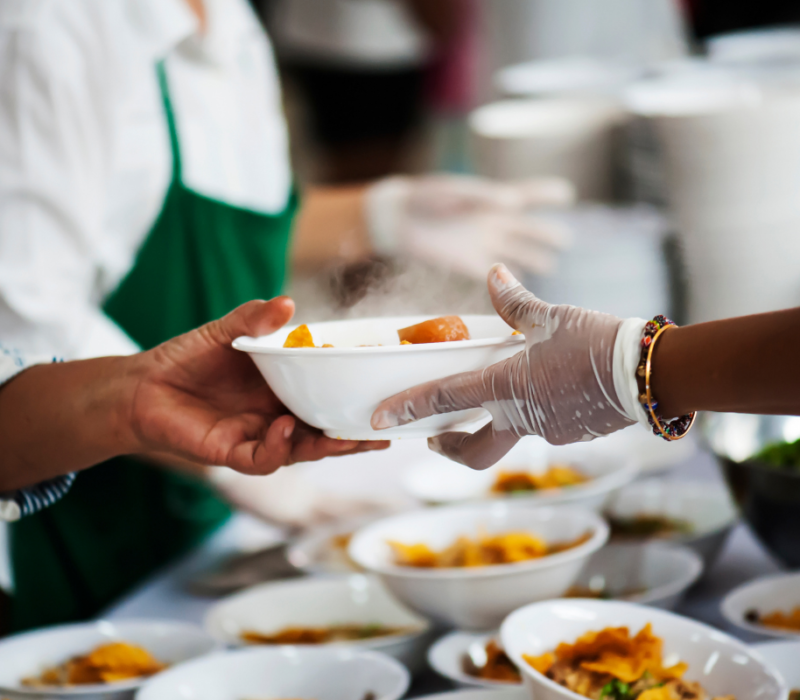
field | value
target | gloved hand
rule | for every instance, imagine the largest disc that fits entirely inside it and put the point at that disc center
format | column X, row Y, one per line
column 574, row 381
column 466, row 223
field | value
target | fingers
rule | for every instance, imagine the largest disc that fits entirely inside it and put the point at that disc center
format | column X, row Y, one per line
column 517, row 306
column 455, row 393
column 479, row 450
column 268, row 454
column 254, row 318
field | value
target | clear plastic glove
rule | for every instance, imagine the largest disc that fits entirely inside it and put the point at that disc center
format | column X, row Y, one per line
column 565, row 386
column 465, row 223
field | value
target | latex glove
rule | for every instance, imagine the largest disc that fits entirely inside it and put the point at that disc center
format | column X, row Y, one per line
column 466, row 223
column 574, row 381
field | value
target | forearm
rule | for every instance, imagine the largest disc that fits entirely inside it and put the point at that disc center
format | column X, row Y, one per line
column 61, row 418
column 330, row 227
column 743, row 365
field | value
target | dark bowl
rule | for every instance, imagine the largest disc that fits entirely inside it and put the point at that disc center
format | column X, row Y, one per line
column 767, row 496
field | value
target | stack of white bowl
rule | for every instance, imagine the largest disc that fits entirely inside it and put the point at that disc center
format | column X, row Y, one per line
column 731, row 154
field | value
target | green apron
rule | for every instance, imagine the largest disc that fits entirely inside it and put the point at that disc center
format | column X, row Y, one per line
column 123, row 519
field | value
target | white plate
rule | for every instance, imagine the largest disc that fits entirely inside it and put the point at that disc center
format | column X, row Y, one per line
column 765, row 595
column 356, row 599
column 320, row 673
column 707, row 507
column 30, row 653
column 315, row 552
column 478, row 598
column 337, row 389
column 446, row 658
column 785, row 658
column 720, row 663
column 438, row 480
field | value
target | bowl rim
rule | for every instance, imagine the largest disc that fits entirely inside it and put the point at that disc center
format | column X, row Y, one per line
column 421, row 626
column 675, row 586
column 482, row 637
column 731, row 599
column 403, row 675
column 599, row 527
column 604, row 484
column 537, row 677
column 102, row 688
column 251, row 344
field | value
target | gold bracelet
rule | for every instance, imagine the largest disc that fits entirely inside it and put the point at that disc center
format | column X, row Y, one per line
column 677, row 428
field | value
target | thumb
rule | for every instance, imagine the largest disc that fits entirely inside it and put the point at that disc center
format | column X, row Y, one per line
column 254, row 318
column 518, row 307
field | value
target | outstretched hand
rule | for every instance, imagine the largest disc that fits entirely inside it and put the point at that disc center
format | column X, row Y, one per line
column 198, row 398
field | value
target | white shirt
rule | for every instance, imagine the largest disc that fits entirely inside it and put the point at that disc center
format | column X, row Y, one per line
column 84, row 148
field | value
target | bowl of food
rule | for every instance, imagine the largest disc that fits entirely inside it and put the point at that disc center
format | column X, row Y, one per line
column 697, row 515
column 650, row 573
column 333, row 375
column 610, row 650
column 783, row 656
column 108, row 660
column 769, row 605
column 469, row 566
column 760, row 458
column 323, row 550
column 355, row 611
column 532, row 473
column 473, row 660
column 321, row 673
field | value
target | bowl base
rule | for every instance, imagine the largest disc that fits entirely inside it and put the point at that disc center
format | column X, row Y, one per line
column 406, row 432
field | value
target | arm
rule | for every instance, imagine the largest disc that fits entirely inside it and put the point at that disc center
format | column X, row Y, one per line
column 54, row 161
column 193, row 397
column 576, row 378
column 740, row 365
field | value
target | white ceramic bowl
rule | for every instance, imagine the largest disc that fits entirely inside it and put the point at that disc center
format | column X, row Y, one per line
column 478, row 598
column 446, row 657
column 337, row 389
column 318, row 673
column 706, row 506
column 514, row 693
column 316, row 551
column 765, row 595
column 651, row 573
column 784, row 657
column 30, row 653
column 356, row 599
column 439, row 480
column 721, row 664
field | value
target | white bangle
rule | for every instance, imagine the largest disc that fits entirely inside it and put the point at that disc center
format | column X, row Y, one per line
column 627, row 352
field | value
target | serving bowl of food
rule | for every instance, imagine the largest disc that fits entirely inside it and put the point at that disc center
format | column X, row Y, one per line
column 473, row 660
column 769, row 605
column 321, row 673
column 610, row 650
column 108, row 660
column 532, row 473
column 334, row 376
column 760, row 458
column 469, row 566
column 695, row 514
column 355, row 611
column 783, row 656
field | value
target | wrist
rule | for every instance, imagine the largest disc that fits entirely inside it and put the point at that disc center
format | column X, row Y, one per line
column 627, row 353
column 113, row 406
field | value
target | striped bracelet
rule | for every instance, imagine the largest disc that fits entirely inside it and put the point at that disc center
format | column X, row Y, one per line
column 675, row 428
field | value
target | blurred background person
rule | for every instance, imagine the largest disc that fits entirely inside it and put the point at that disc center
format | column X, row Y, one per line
column 145, row 189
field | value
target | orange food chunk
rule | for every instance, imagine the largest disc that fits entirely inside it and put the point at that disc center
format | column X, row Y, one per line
column 300, row 337
column 437, row 330
column 112, row 662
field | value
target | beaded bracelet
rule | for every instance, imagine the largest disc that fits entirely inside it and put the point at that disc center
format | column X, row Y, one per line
column 675, row 428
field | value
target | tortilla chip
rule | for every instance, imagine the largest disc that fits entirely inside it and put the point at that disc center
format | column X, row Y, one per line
column 300, row 337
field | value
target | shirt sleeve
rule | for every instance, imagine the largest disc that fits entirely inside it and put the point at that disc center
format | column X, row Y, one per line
column 55, row 155
column 32, row 499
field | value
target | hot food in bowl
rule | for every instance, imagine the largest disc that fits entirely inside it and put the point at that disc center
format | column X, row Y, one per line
column 333, row 375
column 469, row 566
